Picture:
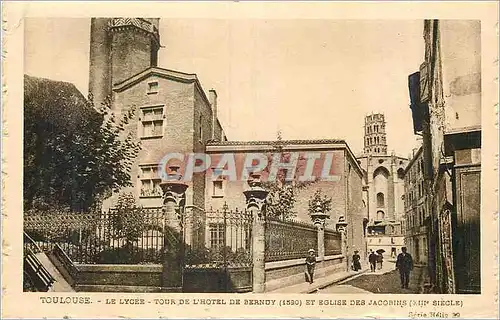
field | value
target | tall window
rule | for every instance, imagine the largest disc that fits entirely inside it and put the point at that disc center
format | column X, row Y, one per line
column 152, row 122
column 380, row 200
column 218, row 188
column 150, row 181
column 200, row 128
column 217, row 235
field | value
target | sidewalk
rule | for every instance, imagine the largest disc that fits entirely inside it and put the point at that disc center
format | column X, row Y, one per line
column 320, row 282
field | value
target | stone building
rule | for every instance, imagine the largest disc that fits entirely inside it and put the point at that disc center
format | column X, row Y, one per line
column 383, row 188
column 446, row 107
column 172, row 111
column 173, row 114
column 416, row 209
column 345, row 191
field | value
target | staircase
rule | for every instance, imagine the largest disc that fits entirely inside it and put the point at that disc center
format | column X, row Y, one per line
column 40, row 274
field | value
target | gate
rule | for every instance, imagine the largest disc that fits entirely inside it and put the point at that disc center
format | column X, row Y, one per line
column 222, row 262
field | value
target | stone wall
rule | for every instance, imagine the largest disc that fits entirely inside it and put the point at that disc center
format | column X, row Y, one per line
column 354, row 210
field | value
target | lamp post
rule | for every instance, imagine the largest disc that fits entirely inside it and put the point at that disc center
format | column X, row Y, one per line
column 174, row 202
column 255, row 202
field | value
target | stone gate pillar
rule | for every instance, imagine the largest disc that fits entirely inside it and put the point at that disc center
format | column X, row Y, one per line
column 255, row 203
column 318, row 217
column 174, row 201
column 341, row 227
column 320, row 225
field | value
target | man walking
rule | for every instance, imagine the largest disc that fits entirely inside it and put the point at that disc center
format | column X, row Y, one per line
column 404, row 264
column 372, row 258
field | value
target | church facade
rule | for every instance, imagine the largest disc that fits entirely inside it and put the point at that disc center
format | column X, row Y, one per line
column 383, row 188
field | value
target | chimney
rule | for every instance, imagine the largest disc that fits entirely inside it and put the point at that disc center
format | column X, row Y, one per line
column 212, row 97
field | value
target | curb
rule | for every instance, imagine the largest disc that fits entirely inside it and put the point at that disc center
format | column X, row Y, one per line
column 329, row 283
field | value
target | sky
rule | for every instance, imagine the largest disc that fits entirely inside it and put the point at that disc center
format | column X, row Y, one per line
column 308, row 78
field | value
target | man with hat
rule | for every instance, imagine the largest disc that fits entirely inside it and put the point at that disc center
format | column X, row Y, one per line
column 404, row 264
column 310, row 264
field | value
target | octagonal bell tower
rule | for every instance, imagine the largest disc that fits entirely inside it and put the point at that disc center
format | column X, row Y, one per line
column 119, row 49
column 375, row 137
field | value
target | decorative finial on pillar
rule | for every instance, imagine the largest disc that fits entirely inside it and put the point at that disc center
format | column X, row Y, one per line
column 319, row 206
column 256, row 195
column 174, row 191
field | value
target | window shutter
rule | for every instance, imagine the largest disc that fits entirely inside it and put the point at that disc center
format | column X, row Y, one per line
column 424, row 83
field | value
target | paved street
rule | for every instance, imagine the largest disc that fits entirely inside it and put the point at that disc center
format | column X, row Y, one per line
column 384, row 281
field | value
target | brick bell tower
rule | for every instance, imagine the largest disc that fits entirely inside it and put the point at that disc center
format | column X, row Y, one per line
column 375, row 137
column 119, row 49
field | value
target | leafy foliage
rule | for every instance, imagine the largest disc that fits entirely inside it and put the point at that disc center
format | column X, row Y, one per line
column 320, row 203
column 282, row 193
column 128, row 221
column 75, row 154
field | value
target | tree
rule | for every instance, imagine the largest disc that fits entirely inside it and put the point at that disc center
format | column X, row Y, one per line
column 282, row 193
column 127, row 220
column 75, row 154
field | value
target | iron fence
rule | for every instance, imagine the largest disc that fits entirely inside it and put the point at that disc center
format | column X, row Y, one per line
column 101, row 237
column 289, row 239
column 333, row 242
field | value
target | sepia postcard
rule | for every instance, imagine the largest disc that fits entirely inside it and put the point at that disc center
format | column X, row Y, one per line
column 250, row 160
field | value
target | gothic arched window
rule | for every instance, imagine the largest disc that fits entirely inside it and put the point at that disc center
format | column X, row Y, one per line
column 380, row 200
column 380, row 215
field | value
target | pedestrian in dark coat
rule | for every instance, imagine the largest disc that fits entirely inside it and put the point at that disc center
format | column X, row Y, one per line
column 372, row 258
column 356, row 264
column 310, row 264
column 404, row 264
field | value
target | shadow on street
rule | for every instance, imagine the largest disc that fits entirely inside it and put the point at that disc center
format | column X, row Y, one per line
column 388, row 282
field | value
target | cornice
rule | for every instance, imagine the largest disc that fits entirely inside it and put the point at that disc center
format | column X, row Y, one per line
column 138, row 24
column 155, row 71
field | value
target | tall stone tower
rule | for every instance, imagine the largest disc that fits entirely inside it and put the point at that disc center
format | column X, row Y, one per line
column 375, row 136
column 119, row 49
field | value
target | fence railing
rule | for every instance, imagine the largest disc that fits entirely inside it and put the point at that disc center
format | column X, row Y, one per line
column 36, row 277
column 289, row 239
column 223, row 237
column 333, row 242
column 109, row 237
